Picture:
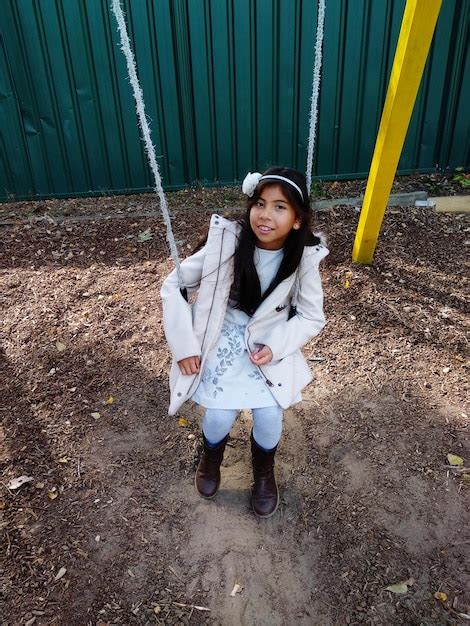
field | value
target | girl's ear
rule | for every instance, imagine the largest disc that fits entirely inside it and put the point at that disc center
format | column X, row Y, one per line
column 296, row 225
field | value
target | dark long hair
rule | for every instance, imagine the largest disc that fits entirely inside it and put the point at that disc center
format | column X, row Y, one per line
column 246, row 290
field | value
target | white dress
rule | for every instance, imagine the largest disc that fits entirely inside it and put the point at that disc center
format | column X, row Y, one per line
column 230, row 380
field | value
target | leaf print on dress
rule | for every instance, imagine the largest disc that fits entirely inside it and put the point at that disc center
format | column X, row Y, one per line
column 233, row 333
column 229, row 378
column 225, row 357
column 217, row 389
column 206, row 375
column 257, row 376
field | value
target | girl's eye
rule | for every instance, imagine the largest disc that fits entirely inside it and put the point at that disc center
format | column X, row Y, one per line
column 259, row 204
column 280, row 206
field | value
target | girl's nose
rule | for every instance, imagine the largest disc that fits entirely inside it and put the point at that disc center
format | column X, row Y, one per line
column 266, row 212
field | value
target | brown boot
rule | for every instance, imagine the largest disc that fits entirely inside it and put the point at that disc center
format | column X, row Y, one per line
column 265, row 494
column 207, row 478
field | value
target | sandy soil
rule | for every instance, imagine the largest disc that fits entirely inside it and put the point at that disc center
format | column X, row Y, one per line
column 369, row 498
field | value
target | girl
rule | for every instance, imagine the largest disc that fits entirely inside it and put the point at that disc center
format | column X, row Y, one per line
column 259, row 301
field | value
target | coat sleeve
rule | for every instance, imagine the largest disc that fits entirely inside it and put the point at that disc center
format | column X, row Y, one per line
column 177, row 315
column 289, row 336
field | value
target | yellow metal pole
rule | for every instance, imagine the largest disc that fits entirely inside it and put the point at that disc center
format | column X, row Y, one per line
column 417, row 29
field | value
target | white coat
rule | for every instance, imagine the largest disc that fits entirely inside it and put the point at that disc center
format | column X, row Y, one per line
column 194, row 330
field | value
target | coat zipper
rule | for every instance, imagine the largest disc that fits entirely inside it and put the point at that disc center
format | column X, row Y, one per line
column 201, row 367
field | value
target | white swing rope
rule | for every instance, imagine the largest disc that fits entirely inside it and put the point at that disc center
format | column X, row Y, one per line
column 315, row 91
column 144, row 126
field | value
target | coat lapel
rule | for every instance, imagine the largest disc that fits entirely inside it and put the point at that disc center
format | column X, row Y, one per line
column 275, row 298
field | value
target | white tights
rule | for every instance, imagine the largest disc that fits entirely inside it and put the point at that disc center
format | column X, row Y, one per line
column 267, row 425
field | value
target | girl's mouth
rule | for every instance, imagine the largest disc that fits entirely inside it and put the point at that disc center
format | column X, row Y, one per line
column 264, row 229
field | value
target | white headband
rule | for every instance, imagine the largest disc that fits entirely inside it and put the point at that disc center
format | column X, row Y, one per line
column 252, row 180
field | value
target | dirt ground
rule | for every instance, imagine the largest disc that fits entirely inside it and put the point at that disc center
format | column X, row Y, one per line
column 368, row 496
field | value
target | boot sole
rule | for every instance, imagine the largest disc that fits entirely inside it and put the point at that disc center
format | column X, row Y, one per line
column 270, row 514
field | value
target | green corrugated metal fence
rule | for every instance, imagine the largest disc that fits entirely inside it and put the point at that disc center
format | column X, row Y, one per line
column 227, row 86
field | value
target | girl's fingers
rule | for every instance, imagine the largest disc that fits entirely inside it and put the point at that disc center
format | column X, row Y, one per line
column 190, row 365
column 265, row 352
column 261, row 356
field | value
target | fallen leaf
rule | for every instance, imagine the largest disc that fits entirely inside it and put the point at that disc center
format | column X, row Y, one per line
column 110, row 400
column 236, row 589
column 400, row 587
column 3, row 505
column 455, row 460
column 39, row 485
column 16, row 483
column 63, row 459
column 157, row 609
column 439, row 595
column 95, row 416
column 144, row 236
column 52, row 495
column 60, row 574
column 60, row 346
column 183, row 422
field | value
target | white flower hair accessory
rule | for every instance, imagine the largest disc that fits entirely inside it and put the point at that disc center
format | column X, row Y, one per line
column 250, row 183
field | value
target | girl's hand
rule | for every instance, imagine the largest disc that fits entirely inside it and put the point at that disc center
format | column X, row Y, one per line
column 261, row 356
column 190, row 365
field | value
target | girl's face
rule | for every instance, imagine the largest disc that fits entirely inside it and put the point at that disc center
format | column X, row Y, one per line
column 272, row 218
